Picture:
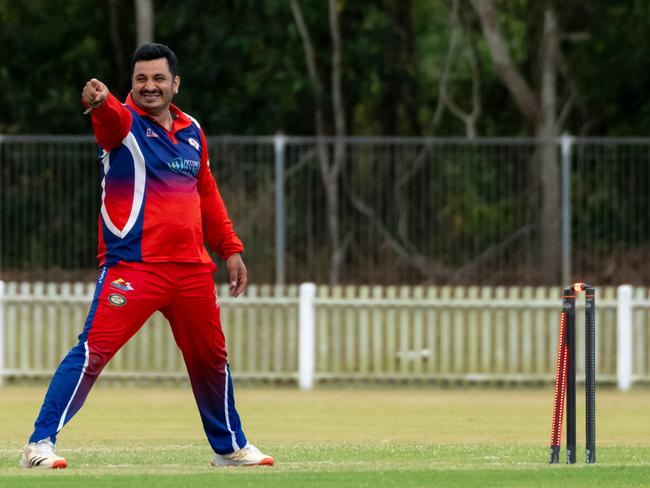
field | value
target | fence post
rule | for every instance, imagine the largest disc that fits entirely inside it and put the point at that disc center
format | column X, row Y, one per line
column 280, row 142
column 566, row 143
column 307, row 341
column 2, row 332
column 624, row 337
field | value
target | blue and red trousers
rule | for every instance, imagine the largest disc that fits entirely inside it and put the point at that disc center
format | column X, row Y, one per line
column 127, row 294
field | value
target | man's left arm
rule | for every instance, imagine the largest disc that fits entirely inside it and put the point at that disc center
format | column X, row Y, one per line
column 218, row 231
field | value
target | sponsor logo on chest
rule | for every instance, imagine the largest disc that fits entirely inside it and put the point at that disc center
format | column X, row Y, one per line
column 188, row 167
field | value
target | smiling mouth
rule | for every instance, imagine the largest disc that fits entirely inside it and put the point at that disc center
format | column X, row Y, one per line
column 150, row 95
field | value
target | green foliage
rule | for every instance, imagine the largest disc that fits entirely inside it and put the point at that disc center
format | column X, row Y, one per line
column 478, row 208
column 244, row 71
column 611, row 66
column 240, row 64
column 48, row 49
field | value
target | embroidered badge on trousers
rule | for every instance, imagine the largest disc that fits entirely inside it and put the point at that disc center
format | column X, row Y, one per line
column 117, row 299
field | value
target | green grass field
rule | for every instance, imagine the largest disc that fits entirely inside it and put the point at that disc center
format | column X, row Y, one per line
column 332, row 437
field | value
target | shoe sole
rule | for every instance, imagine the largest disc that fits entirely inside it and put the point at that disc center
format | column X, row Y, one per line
column 60, row 464
column 268, row 461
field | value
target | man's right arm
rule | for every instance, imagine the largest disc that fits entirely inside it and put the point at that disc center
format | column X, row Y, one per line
column 111, row 120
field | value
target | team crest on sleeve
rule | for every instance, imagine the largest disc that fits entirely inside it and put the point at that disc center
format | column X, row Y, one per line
column 194, row 143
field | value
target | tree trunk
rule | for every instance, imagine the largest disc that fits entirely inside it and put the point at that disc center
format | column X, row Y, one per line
column 540, row 109
column 445, row 99
column 546, row 132
column 332, row 182
column 122, row 86
column 330, row 167
column 144, row 21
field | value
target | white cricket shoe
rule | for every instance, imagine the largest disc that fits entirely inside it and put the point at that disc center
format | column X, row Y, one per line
column 41, row 455
column 249, row 455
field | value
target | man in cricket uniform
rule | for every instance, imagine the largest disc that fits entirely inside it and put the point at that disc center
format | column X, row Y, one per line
column 160, row 204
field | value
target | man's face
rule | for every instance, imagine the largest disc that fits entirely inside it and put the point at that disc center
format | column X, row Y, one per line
column 153, row 86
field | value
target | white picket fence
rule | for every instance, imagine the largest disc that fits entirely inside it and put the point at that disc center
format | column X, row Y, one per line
column 313, row 334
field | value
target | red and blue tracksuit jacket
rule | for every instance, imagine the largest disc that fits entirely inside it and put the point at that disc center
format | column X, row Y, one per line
column 160, row 202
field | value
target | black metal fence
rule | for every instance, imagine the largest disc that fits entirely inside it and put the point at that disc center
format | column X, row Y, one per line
column 407, row 210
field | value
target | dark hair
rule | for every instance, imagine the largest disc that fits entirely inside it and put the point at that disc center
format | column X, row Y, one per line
column 148, row 52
